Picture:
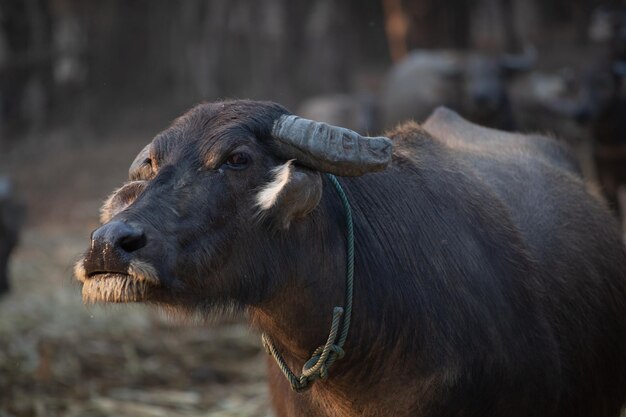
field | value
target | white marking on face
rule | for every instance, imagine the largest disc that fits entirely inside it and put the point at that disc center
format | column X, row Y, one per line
column 268, row 195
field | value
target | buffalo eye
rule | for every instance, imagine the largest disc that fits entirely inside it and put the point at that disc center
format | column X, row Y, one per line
column 238, row 160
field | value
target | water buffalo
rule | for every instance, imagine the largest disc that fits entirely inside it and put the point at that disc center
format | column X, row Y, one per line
column 472, row 83
column 488, row 281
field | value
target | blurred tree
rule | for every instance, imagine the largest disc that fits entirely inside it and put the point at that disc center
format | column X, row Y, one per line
column 92, row 58
column 434, row 26
column 25, row 64
column 100, row 56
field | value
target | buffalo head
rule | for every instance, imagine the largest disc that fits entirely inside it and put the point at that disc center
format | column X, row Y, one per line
column 209, row 201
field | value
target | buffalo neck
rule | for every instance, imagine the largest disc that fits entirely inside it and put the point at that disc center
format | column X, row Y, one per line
column 298, row 316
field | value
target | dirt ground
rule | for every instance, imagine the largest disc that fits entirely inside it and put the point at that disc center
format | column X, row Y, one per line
column 60, row 358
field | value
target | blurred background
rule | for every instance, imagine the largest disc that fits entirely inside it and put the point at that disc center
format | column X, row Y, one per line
column 85, row 84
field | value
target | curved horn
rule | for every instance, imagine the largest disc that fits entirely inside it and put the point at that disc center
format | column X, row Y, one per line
column 329, row 148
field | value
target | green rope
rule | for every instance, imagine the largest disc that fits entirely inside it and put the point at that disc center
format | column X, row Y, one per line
column 324, row 356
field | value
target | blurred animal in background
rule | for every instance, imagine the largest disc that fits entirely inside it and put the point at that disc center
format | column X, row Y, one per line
column 606, row 104
column 551, row 103
column 11, row 216
column 471, row 83
column 548, row 102
column 358, row 111
column 488, row 280
column 588, row 107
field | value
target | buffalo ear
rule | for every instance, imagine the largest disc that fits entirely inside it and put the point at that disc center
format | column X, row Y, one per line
column 141, row 168
column 292, row 194
column 120, row 199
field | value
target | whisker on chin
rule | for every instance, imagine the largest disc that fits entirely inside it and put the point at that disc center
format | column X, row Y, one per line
column 133, row 286
column 79, row 270
column 114, row 289
column 143, row 271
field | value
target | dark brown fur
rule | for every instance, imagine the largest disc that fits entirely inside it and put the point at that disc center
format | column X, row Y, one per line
column 488, row 281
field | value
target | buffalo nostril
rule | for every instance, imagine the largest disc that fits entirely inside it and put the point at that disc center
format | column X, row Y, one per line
column 121, row 235
column 133, row 242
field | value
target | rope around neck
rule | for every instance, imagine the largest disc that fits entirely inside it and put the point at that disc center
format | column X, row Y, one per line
column 324, row 356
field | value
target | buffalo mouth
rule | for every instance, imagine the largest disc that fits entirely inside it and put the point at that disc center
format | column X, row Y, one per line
column 130, row 286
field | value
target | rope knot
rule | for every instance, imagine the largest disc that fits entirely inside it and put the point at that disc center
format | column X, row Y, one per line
column 316, row 367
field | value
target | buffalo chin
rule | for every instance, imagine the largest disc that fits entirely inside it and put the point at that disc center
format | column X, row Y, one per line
column 114, row 288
